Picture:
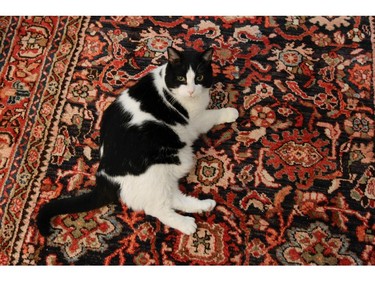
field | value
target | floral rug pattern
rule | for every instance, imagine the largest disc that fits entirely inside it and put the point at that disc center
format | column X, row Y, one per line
column 293, row 178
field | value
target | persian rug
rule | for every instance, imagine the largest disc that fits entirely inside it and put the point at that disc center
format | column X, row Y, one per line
column 294, row 177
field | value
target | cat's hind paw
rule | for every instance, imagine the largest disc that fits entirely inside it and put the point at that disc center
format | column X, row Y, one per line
column 187, row 226
column 207, row 205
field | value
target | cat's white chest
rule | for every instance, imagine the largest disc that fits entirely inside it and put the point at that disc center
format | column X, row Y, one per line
column 186, row 155
column 187, row 134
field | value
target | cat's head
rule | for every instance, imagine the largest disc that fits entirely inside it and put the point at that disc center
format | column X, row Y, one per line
column 188, row 73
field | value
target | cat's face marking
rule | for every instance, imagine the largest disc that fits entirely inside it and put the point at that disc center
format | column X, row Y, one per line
column 188, row 73
column 189, row 88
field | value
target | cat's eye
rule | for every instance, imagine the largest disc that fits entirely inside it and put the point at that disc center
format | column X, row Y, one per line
column 181, row 78
column 200, row 78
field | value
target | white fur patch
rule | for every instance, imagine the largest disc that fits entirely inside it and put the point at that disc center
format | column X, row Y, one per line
column 190, row 79
column 101, row 151
column 134, row 108
column 159, row 81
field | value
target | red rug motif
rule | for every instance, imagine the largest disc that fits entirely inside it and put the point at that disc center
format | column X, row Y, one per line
column 294, row 177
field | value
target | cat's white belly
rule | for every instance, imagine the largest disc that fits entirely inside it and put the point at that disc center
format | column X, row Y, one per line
column 187, row 159
column 157, row 183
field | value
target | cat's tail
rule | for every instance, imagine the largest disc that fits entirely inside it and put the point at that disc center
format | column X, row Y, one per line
column 104, row 193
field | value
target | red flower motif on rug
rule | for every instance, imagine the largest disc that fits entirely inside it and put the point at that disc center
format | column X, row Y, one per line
column 316, row 245
column 206, row 246
column 84, row 232
column 301, row 157
column 212, row 172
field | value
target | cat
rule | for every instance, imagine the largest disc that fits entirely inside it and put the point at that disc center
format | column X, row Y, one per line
column 146, row 140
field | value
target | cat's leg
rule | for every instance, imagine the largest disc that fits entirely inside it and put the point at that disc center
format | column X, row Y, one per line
column 152, row 192
column 170, row 218
column 209, row 118
column 190, row 204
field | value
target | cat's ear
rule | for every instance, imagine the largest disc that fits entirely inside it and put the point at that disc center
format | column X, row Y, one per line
column 207, row 55
column 174, row 56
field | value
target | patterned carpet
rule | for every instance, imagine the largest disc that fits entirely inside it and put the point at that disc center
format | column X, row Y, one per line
column 294, row 178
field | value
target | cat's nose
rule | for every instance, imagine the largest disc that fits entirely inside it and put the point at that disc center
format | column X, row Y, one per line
column 191, row 93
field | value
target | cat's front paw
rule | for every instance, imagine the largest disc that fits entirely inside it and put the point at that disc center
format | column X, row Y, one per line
column 229, row 115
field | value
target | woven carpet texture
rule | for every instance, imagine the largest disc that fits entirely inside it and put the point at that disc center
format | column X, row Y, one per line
column 293, row 177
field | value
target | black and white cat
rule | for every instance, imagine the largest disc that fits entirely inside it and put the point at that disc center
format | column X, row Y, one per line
column 146, row 144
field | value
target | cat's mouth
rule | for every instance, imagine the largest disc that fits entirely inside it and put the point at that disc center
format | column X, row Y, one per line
column 191, row 94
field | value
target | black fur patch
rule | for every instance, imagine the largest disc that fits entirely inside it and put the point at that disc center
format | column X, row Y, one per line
column 132, row 149
column 146, row 93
